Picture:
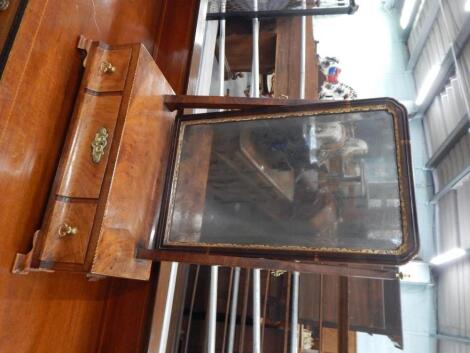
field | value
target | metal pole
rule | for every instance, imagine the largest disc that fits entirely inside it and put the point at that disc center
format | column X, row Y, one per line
column 222, row 49
column 233, row 310
column 302, row 51
column 255, row 57
column 294, row 332
column 212, row 310
column 168, row 308
column 256, row 311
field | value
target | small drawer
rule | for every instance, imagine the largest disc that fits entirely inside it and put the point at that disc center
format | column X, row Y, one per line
column 108, row 70
column 84, row 163
column 67, row 233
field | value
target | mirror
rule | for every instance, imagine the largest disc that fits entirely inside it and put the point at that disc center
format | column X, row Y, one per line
column 318, row 180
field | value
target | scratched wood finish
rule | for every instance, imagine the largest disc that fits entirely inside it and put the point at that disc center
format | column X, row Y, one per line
column 69, row 248
column 82, row 178
column 43, row 313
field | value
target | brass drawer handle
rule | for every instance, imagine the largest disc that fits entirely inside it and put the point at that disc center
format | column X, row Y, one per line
column 66, row 230
column 4, row 5
column 107, row 68
column 99, row 144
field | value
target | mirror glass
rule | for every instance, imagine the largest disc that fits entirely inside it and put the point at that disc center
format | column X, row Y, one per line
column 298, row 181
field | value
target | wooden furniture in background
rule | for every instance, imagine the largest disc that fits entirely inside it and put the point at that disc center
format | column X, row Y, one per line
column 330, row 341
column 279, row 47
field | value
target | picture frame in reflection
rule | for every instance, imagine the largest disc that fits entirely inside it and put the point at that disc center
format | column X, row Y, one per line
column 327, row 182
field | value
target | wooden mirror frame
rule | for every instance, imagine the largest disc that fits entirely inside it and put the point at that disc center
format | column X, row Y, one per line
column 402, row 254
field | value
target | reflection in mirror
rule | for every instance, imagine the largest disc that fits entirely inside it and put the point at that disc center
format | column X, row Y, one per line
column 302, row 182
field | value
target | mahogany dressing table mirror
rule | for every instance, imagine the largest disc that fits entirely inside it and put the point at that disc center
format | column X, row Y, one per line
column 271, row 183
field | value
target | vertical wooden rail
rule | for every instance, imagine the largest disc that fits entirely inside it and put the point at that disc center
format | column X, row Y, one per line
column 244, row 311
column 320, row 319
column 343, row 315
column 286, row 319
column 265, row 305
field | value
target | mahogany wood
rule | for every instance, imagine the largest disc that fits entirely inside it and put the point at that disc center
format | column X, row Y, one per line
column 286, row 82
column 174, row 102
column 190, row 196
column 174, row 43
column 108, row 81
column 136, row 181
column 330, row 341
column 246, row 295
column 81, row 177
column 248, row 262
column 73, row 247
column 43, row 313
column 343, row 315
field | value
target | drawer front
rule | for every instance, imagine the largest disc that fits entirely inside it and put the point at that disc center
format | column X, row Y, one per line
column 108, row 70
column 85, row 160
column 67, row 234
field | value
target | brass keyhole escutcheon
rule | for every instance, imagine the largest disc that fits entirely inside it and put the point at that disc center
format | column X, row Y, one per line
column 99, row 144
column 66, row 230
column 107, row 68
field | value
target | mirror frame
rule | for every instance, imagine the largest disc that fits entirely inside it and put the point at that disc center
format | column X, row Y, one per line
column 406, row 251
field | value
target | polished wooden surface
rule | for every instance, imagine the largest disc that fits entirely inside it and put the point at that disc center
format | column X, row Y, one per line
column 112, row 79
column 174, row 102
column 247, row 262
column 7, row 18
column 136, row 182
column 70, row 248
column 174, row 41
column 82, row 177
column 43, row 313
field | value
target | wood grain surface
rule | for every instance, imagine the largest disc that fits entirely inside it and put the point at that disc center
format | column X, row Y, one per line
column 42, row 312
column 82, row 177
column 68, row 248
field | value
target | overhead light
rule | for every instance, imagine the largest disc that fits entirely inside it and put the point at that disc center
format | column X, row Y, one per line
column 406, row 12
column 467, row 6
column 448, row 256
column 427, row 84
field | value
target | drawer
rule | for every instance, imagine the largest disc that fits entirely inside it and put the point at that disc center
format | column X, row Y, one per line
column 85, row 159
column 67, row 234
column 107, row 70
